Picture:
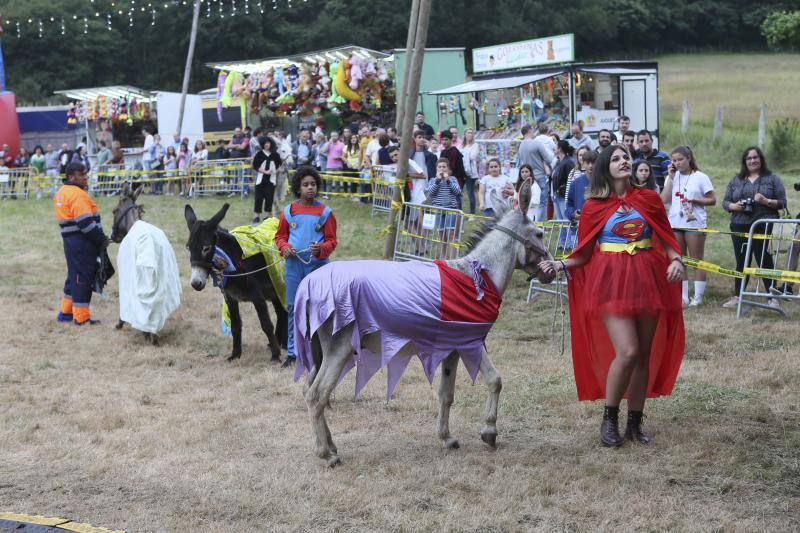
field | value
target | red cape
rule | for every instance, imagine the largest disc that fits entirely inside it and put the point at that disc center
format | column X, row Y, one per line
column 592, row 351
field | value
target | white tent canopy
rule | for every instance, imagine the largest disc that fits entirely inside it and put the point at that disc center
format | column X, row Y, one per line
column 617, row 70
column 113, row 91
column 494, row 83
column 321, row 56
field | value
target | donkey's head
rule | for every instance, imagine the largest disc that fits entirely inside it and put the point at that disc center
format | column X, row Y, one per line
column 126, row 213
column 202, row 243
column 528, row 246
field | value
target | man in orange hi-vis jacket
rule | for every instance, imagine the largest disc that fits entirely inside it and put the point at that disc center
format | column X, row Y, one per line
column 84, row 240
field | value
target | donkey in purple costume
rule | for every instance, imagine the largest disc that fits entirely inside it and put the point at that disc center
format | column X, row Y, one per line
column 335, row 340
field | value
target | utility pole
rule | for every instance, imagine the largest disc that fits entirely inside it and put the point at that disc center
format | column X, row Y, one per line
column 403, row 92
column 409, row 104
column 187, row 72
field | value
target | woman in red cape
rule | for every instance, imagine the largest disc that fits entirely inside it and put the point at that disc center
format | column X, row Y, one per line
column 624, row 297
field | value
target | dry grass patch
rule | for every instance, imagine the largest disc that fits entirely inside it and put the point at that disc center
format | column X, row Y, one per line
column 99, row 426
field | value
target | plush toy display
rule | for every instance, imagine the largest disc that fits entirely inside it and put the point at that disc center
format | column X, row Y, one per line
column 308, row 88
column 72, row 121
column 356, row 75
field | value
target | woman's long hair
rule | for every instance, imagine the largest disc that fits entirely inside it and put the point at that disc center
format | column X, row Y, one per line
column 601, row 183
column 763, row 171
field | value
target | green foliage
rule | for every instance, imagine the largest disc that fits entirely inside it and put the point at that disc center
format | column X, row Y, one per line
column 153, row 56
column 782, row 30
column 784, row 141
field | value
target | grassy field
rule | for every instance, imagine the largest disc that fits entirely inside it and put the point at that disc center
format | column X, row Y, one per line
column 98, row 426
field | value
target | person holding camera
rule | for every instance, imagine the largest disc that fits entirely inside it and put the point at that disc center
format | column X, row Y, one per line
column 752, row 194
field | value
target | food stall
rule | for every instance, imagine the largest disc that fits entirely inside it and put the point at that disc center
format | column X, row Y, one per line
column 506, row 93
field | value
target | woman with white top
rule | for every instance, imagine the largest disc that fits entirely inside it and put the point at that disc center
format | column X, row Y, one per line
column 686, row 193
column 491, row 182
column 469, row 152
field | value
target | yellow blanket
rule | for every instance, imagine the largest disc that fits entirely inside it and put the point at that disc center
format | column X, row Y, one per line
column 261, row 239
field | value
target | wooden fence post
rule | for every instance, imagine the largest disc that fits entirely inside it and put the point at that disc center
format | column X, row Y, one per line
column 762, row 126
column 685, row 118
column 718, row 123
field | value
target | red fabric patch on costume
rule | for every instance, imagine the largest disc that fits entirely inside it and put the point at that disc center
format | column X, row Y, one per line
column 630, row 230
column 460, row 302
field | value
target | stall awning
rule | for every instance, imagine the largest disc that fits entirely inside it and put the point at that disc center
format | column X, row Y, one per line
column 114, row 91
column 321, row 56
column 617, row 71
column 494, row 83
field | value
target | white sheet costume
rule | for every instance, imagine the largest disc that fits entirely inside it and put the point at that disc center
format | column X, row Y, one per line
column 149, row 279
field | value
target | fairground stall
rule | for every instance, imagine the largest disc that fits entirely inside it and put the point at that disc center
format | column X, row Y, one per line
column 326, row 88
column 113, row 113
column 538, row 82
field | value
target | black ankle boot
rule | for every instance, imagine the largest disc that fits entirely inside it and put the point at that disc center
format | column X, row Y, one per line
column 609, row 429
column 633, row 431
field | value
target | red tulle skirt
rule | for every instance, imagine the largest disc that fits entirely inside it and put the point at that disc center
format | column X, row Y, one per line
column 622, row 284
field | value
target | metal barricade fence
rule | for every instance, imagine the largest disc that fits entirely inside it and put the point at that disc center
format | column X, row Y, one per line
column 383, row 186
column 775, row 245
column 220, row 176
column 426, row 233
column 349, row 183
column 15, row 182
column 108, row 179
column 559, row 238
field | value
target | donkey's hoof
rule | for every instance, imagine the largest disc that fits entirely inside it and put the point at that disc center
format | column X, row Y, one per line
column 489, row 437
column 154, row 339
column 234, row 356
column 119, row 325
column 334, row 461
column 452, row 444
column 275, row 360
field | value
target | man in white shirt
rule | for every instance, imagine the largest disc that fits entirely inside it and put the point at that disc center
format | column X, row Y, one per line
column 373, row 146
column 149, row 142
column 539, row 155
column 579, row 139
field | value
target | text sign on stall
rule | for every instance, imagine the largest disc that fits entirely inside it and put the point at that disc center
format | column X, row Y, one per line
column 545, row 51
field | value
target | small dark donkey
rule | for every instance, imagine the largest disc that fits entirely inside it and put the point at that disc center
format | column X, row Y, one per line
column 204, row 238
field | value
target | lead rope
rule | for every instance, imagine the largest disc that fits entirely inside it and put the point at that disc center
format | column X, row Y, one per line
column 271, row 264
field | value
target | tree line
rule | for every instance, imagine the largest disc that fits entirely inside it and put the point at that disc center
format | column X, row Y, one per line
column 152, row 56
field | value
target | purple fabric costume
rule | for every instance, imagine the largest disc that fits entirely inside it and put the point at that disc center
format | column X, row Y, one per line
column 403, row 301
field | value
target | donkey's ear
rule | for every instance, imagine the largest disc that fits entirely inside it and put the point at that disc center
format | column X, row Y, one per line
column 525, row 197
column 137, row 192
column 189, row 215
column 217, row 218
column 499, row 206
column 126, row 190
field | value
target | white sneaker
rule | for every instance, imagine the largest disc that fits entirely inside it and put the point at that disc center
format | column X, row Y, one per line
column 731, row 303
column 696, row 302
column 773, row 303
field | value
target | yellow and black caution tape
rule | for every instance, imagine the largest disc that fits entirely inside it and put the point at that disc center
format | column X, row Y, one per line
column 711, row 267
column 779, row 275
column 757, row 236
column 60, row 523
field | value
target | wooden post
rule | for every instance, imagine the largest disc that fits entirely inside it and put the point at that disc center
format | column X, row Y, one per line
column 187, row 72
column 410, row 39
column 685, row 118
column 762, row 126
column 409, row 105
column 718, row 117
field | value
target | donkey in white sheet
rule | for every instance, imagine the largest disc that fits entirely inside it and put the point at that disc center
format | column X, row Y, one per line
column 375, row 314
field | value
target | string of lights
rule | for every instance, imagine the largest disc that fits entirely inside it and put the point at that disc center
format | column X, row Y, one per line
column 116, row 13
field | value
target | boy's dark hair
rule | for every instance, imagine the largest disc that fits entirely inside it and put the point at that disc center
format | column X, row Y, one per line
column 301, row 173
column 445, row 161
column 629, row 133
column 644, row 132
column 393, row 148
column 445, row 134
